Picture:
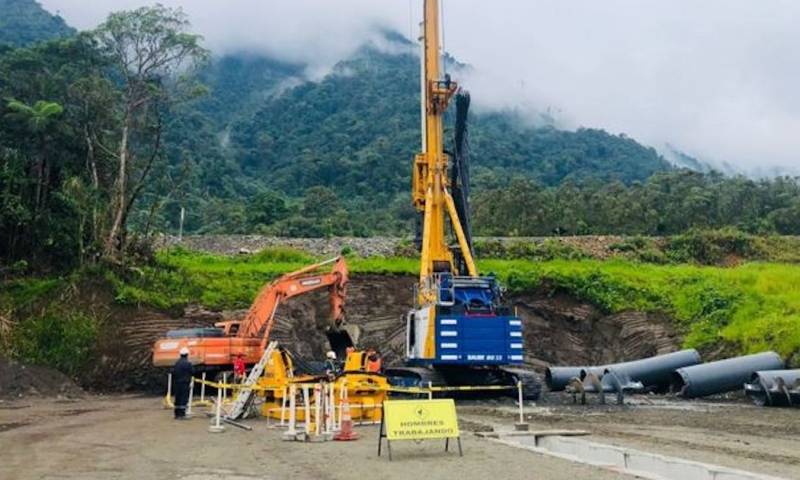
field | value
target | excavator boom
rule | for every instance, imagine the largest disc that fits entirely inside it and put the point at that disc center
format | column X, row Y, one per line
column 249, row 337
column 261, row 315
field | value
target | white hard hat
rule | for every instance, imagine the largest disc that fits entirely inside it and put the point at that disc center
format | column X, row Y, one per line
column 184, row 351
column 331, row 355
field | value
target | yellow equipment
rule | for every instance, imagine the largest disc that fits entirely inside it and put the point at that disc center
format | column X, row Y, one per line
column 365, row 391
column 430, row 179
column 461, row 330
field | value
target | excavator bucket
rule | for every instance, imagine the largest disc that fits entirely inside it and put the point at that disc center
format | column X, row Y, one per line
column 340, row 339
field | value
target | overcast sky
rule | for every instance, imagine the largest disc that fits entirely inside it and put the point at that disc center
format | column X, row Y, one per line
column 717, row 79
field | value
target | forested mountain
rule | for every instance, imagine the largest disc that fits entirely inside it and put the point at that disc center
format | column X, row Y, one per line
column 352, row 136
column 359, row 127
column 24, row 22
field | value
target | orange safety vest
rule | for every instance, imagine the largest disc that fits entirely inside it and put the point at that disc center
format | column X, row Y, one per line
column 374, row 366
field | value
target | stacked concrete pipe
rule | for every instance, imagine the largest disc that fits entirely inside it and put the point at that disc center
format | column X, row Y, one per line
column 774, row 388
column 653, row 372
column 723, row 375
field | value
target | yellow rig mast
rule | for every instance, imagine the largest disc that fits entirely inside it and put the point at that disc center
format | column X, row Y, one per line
column 430, row 175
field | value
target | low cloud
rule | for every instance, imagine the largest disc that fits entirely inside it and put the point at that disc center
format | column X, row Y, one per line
column 716, row 79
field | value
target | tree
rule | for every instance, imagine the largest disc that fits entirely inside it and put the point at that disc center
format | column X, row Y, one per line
column 267, row 208
column 38, row 119
column 149, row 47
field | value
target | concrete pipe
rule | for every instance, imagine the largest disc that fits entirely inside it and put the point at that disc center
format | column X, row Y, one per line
column 651, row 372
column 654, row 373
column 723, row 375
column 774, row 388
column 557, row 378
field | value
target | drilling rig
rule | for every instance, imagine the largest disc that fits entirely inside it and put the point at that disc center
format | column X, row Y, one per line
column 460, row 331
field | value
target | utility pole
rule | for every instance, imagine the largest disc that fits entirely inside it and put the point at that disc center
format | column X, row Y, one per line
column 180, row 228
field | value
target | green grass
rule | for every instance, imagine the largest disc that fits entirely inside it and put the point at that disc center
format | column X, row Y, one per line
column 752, row 307
column 748, row 308
column 24, row 293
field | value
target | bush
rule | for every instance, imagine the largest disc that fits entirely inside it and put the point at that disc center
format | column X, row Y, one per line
column 712, row 247
column 549, row 249
column 640, row 249
column 61, row 340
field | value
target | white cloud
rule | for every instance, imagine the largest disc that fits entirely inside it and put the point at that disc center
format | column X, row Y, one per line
column 717, row 79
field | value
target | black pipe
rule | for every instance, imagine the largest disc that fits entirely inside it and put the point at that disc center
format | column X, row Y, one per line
column 557, row 378
column 459, row 173
column 774, row 388
column 654, row 373
column 651, row 372
column 723, row 375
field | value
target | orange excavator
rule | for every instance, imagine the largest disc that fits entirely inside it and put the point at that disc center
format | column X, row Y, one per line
column 216, row 348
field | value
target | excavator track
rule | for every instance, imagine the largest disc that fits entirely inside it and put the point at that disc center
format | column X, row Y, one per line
column 414, row 377
column 531, row 382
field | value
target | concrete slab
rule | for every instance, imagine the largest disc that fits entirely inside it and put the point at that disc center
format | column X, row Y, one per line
column 626, row 460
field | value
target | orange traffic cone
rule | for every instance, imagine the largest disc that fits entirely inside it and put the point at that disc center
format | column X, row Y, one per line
column 346, row 433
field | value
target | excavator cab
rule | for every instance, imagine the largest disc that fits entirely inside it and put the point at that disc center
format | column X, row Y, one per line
column 343, row 338
column 229, row 328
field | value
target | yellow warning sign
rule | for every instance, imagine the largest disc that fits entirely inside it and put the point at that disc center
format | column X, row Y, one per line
column 420, row 419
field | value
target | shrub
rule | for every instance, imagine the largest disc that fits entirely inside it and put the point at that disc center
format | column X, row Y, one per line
column 61, row 340
column 710, row 247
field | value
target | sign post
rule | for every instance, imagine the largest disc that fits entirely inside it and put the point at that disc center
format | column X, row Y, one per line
column 419, row 420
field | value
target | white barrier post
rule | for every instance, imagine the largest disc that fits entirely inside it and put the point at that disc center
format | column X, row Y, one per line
column 225, row 382
column 283, row 406
column 318, row 409
column 521, row 426
column 430, row 390
column 203, row 388
column 191, row 397
column 307, row 409
column 342, row 400
column 291, row 432
column 169, row 385
column 317, row 412
column 218, row 427
column 331, row 409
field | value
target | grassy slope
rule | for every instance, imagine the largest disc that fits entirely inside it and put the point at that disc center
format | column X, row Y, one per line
column 752, row 307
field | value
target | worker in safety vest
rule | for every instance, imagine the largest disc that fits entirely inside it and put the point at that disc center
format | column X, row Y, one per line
column 332, row 367
column 182, row 378
column 239, row 368
column 374, row 361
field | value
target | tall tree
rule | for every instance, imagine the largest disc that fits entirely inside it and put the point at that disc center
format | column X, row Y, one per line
column 151, row 49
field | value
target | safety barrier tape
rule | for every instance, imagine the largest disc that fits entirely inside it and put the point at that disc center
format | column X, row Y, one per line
column 364, row 386
column 464, row 388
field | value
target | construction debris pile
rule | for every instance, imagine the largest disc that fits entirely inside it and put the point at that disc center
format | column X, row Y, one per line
column 19, row 380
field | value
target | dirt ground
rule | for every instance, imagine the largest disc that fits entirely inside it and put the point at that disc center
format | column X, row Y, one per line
column 731, row 433
column 127, row 437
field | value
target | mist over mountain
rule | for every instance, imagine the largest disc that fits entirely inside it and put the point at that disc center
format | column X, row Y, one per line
column 715, row 79
column 280, row 145
column 355, row 131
